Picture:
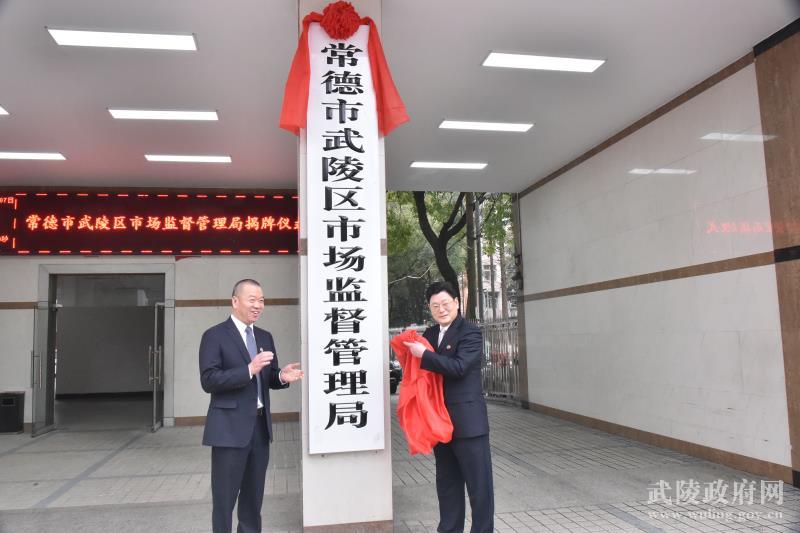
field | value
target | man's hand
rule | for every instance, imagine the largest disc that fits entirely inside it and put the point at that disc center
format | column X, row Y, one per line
column 260, row 361
column 291, row 373
column 417, row 348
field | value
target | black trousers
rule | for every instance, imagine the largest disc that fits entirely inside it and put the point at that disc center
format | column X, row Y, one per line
column 463, row 462
column 240, row 473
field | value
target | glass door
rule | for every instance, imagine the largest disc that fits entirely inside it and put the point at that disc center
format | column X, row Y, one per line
column 156, row 356
column 43, row 366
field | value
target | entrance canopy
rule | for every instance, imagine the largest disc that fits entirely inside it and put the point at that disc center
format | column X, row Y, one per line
column 58, row 97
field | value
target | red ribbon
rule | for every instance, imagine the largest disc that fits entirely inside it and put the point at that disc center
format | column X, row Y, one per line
column 390, row 108
column 421, row 410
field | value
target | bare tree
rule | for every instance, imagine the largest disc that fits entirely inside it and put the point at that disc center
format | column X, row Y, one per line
column 454, row 223
column 472, row 281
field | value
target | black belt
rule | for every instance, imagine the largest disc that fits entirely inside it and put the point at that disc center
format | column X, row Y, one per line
column 260, row 411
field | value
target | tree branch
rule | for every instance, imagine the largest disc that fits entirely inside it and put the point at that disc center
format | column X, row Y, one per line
column 413, row 277
column 458, row 227
column 422, row 217
column 454, row 212
column 491, row 208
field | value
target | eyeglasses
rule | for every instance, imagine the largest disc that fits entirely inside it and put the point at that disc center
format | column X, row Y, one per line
column 442, row 305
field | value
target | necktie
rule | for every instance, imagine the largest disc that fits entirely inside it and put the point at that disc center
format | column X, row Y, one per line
column 441, row 336
column 251, row 349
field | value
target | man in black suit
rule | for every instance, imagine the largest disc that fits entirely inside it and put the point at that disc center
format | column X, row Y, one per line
column 238, row 366
column 466, row 459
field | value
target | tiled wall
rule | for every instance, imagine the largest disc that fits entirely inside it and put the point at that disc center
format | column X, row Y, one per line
column 195, row 279
column 697, row 359
column 600, row 222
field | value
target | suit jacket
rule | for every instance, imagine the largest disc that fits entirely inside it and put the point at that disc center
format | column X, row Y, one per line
column 232, row 410
column 458, row 358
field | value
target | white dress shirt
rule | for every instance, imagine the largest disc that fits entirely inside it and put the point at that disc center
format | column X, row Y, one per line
column 242, row 327
column 442, row 331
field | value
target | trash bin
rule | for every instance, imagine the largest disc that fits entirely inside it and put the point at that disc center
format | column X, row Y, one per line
column 12, row 412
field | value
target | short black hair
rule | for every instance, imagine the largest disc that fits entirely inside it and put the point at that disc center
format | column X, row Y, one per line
column 438, row 286
column 246, row 281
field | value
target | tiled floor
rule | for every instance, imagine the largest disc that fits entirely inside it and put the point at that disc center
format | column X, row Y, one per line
column 550, row 475
column 555, row 476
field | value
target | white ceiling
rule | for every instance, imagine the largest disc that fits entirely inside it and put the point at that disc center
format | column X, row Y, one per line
column 58, row 96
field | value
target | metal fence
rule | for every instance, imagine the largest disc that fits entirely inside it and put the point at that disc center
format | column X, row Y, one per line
column 500, row 365
column 500, row 369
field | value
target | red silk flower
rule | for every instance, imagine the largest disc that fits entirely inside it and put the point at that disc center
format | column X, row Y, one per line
column 340, row 20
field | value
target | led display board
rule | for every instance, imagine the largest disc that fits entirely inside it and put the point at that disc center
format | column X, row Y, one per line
column 143, row 223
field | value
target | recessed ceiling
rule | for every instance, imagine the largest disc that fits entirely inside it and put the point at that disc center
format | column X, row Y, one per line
column 58, row 97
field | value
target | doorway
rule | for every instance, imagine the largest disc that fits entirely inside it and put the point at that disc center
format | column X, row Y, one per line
column 99, row 361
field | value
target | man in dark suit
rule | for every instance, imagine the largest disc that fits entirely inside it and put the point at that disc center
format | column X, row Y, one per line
column 466, row 459
column 238, row 366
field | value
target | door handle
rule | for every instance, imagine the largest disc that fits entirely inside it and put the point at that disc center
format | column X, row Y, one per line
column 150, row 357
column 33, row 368
column 158, row 364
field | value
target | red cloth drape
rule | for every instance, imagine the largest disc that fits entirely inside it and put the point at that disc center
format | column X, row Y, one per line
column 390, row 108
column 420, row 409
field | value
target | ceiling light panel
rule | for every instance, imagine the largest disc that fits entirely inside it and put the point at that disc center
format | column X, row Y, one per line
column 43, row 156
column 165, row 158
column 444, row 165
column 152, row 114
column 107, row 39
column 485, row 126
column 662, row 171
column 567, row 64
column 740, row 137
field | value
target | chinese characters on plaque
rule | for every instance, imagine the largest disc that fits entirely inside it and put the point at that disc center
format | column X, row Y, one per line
column 344, row 195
